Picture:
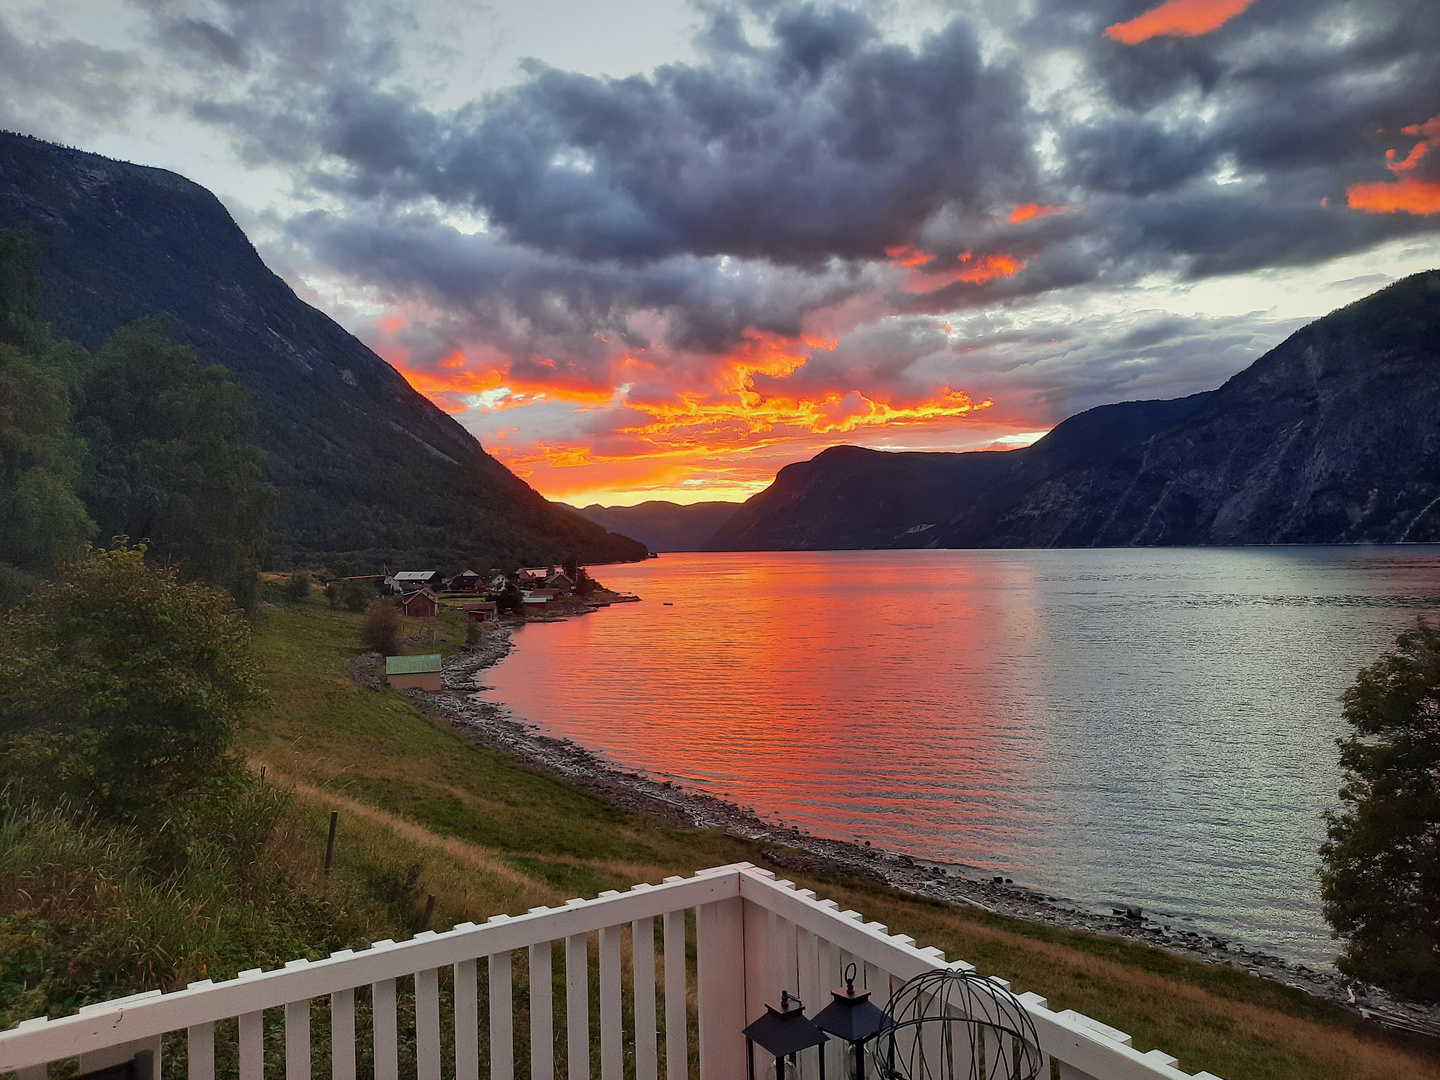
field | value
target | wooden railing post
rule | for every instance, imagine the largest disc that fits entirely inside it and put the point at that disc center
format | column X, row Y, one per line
column 720, row 956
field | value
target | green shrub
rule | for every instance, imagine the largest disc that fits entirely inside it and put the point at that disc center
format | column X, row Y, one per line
column 123, row 686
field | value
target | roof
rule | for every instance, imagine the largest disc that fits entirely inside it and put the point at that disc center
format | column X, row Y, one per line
column 412, row 665
column 416, row 575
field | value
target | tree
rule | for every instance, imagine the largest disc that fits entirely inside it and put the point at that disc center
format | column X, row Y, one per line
column 382, row 629
column 171, row 464
column 1380, row 882
column 42, row 518
column 123, row 685
column 297, row 587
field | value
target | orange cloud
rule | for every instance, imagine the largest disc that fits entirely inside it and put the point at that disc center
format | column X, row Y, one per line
column 1407, row 196
column 906, row 256
column 1029, row 211
column 702, row 427
column 1177, row 18
column 967, row 268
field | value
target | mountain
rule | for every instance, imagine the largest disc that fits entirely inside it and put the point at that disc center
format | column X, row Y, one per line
column 851, row 497
column 664, row 526
column 368, row 470
column 1332, row 437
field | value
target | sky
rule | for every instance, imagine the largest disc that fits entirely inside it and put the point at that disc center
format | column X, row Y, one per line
column 658, row 249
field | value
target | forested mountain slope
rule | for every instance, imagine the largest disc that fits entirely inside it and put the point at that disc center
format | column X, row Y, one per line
column 368, row 470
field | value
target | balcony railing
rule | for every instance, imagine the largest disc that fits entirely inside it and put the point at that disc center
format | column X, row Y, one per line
column 753, row 937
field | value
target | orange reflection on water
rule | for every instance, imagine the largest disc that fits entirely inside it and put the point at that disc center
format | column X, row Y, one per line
column 771, row 682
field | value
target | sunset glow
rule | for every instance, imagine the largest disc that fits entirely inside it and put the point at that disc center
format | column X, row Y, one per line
column 671, row 278
column 1401, row 197
column 930, row 272
column 720, row 432
column 1031, row 211
column 1410, row 194
column 1177, row 18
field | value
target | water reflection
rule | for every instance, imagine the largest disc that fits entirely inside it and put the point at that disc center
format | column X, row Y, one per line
column 1115, row 726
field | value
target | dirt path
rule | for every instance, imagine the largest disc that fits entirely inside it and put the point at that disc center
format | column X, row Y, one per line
column 462, row 851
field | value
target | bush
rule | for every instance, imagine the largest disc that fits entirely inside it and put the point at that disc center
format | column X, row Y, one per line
column 381, row 632
column 297, row 588
column 123, row 686
column 1380, row 882
column 356, row 594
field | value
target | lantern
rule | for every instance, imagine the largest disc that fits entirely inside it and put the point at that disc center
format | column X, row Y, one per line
column 783, row 1032
column 853, row 1018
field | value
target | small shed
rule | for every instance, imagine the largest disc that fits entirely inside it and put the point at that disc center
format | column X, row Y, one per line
column 413, row 672
column 485, row 611
column 423, row 604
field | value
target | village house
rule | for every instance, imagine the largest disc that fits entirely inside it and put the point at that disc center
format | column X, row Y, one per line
column 408, row 580
column 561, row 582
column 413, row 672
column 485, row 611
column 422, row 604
column 465, row 581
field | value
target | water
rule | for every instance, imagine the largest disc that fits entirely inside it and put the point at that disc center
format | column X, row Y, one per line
column 1117, row 726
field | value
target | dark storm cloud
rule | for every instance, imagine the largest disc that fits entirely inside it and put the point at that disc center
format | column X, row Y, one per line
column 814, row 139
column 825, row 142
column 769, row 180
column 533, row 305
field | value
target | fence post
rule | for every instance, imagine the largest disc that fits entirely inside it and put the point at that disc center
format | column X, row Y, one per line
column 720, row 960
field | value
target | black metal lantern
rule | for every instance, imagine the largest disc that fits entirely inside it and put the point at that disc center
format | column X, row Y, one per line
column 853, row 1018
column 783, row 1032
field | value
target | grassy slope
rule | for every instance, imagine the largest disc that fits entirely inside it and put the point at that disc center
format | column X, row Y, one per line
column 494, row 836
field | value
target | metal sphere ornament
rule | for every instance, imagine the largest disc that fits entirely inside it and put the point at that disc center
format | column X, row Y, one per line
column 953, row 1024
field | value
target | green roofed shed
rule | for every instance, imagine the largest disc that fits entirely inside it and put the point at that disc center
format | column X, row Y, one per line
column 413, row 672
column 412, row 665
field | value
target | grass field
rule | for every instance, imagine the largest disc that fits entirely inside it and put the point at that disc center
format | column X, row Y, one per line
column 424, row 805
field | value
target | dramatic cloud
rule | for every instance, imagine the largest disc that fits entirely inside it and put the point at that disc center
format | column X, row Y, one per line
column 1178, row 18
column 828, row 223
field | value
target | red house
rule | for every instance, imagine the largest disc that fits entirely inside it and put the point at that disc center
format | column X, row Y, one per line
column 487, row 611
column 421, row 604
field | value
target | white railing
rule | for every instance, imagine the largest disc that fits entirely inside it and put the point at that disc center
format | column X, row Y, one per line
column 753, row 937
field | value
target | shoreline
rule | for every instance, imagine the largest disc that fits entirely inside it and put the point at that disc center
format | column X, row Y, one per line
column 497, row 726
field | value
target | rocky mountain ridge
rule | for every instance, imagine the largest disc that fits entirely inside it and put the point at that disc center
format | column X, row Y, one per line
column 1332, row 437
